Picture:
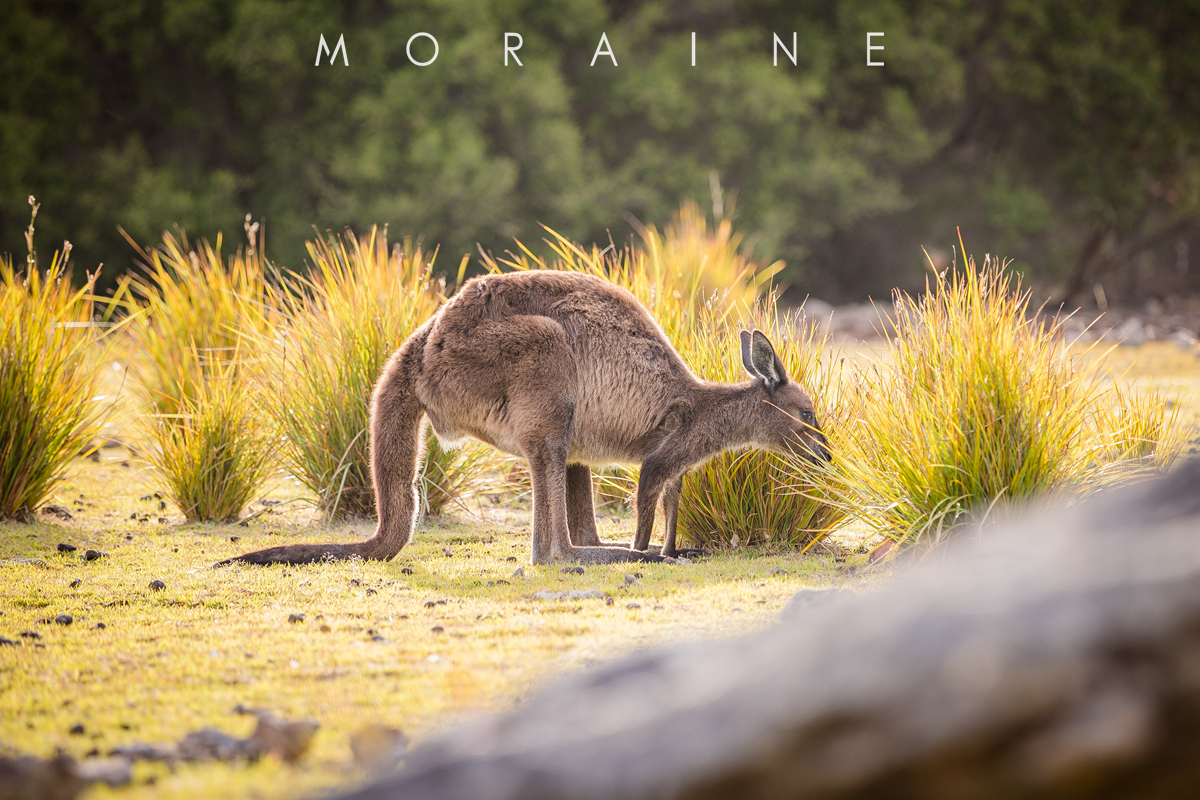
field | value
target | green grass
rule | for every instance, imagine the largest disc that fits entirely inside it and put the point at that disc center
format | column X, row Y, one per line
column 49, row 404
column 174, row 661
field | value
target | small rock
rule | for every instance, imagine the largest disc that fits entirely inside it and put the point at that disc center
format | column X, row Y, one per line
column 370, row 591
column 502, row 582
column 447, row 551
column 30, row 634
column 163, row 521
column 519, row 573
column 406, row 571
column 378, row 638
column 36, row 561
column 133, row 515
column 244, row 523
column 75, row 584
column 633, row 605
column 62, row 512
column 63, row 547
column 9, row 642
column 100, row 626
column 572, row 570
column 430, row 604
column 511, row 558
column 325, row 629
column 76, row 730
column 64, row 619
column 630, row 579
column 77, row 502
column 157, row 585
column 92, row 555
column 438, row 629
column 294, row 618
column 162, row 505
column 234, row 538
column 144, row 498
column 129, row 536
column 115, row 772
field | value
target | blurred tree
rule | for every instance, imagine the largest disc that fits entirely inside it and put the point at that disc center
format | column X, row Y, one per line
column 1063, row 135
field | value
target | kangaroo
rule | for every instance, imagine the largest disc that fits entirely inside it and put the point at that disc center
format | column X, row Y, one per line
column 569, row 372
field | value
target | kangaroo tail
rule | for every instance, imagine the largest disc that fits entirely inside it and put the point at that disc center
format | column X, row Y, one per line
column 397, row 441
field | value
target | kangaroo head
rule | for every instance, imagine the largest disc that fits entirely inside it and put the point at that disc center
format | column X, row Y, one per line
column 788, row 420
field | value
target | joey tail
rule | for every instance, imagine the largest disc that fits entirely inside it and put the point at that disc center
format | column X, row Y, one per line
column 397, row 444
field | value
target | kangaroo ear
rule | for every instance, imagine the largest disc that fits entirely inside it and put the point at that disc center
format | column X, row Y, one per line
column 747, row 361
column 765, row 361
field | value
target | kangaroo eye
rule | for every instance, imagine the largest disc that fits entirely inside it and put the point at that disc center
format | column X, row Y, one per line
column 807, row 416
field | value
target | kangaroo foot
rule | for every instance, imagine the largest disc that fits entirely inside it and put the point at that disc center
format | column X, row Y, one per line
column 688, row 553
column 605, row 555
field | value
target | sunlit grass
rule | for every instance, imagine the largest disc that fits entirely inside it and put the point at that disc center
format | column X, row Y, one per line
column 977, row 402
column 49, row 409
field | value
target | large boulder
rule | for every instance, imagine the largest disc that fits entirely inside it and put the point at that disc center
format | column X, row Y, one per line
column 1059, row 656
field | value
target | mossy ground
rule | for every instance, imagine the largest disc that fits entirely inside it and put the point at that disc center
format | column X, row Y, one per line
column 176, row 660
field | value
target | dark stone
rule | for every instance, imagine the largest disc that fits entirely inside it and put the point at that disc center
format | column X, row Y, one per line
column 92, row 555
column 62, row 512
column 30, row 635
column 64, row 619
column 295, row 618
column 156, row 585
column 406, row 571
column 76, row 730
column 63, row 547
column 75, row 584
column 1053, row 656
column 9, row 642
column 100, row 626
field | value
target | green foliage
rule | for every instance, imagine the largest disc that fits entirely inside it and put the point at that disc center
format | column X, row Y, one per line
column 332, row 332
column 49, row 411
column 976, row 402
column 199, row 425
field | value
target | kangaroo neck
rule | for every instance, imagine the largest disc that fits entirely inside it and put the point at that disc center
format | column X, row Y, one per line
column 727, row 414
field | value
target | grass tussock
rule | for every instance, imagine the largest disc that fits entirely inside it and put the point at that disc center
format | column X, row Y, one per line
column 49, row 410
column 333, row 330
column 977, row 402
column 194, row 315
column 215, row 454
column 702, row 287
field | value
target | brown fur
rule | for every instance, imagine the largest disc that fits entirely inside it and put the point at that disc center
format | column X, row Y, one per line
column 569, row 372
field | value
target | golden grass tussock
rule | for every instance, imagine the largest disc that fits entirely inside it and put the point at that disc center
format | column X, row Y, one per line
column 49, row 408
column 194, row 318
column 331, row 332
column 976, row 402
